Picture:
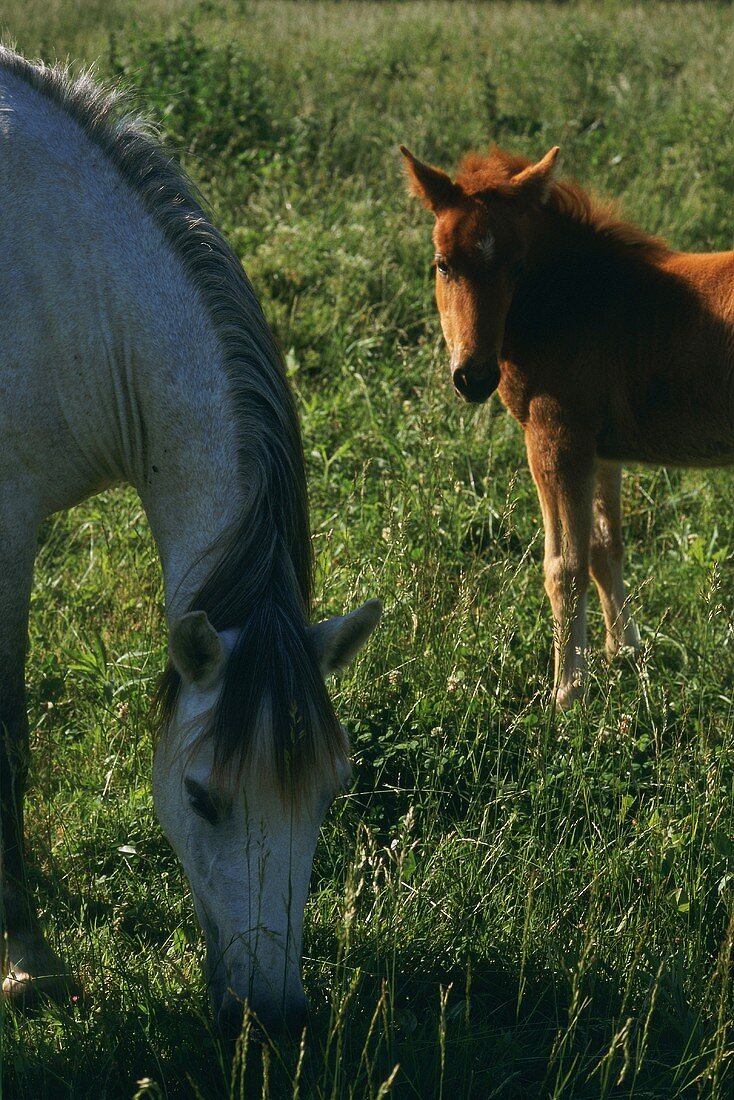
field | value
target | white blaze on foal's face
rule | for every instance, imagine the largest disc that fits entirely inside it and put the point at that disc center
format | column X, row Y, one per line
column 246, row 850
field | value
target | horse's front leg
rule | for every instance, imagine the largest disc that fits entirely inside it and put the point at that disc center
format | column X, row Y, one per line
column 29, row 967
column 606, row 557
column 563, row 467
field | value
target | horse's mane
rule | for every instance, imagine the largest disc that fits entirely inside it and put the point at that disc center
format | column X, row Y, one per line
column 492, row 174
column 274, row 711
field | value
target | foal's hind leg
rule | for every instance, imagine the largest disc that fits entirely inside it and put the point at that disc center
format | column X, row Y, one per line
column 606, row 555
column 29, row 967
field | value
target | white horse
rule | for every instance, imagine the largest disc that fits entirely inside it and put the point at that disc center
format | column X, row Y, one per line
column 132, row 349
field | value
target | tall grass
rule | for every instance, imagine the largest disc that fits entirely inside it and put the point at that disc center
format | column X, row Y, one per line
column 509, row 903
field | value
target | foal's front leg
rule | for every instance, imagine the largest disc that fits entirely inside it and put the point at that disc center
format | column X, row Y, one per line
column 606, row 557
column 563, row 470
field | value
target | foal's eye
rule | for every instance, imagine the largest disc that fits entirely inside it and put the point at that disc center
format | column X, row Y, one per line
column 201, row 802
column 441, row 266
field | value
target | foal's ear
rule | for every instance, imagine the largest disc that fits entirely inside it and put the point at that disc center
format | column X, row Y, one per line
column 338, row 641
column 196, row 649
column 534, row 182
column 432, row 186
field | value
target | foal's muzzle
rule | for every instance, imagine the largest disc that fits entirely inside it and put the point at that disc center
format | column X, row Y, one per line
column 475, row 381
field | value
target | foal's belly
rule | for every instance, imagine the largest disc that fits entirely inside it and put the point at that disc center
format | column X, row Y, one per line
column 666, row 445
column 672, row 418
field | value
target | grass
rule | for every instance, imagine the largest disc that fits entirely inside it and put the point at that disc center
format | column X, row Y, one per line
column 509, row 903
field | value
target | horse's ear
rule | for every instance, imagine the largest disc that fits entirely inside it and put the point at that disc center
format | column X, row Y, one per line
column 535, row 181
column 196, row 649
column 338, row 641
column 433, row 187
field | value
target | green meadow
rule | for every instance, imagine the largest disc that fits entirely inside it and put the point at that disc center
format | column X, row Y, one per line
column 509, row 902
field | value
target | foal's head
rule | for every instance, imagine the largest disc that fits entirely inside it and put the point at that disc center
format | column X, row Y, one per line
column 481, row 238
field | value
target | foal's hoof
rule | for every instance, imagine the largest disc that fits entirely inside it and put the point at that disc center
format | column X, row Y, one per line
column 35, row 974
column 566, row 695
column 627, row 652
column 626, row 647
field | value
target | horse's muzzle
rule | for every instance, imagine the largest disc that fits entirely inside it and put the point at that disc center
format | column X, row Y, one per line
column 476, row 382
column 269, row 1023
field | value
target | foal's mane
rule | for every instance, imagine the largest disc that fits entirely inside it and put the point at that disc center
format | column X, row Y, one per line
column 274, row 711
column 492, row 174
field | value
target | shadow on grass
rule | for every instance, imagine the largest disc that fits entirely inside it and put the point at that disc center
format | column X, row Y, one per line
column 488, row 1030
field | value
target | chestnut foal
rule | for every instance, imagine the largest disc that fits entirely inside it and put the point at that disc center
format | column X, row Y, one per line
column 604, row 344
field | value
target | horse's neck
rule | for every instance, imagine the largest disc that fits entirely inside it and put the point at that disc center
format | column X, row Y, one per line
column 176, row 434
column 174, row 429
column 192, row 489
column 116, row 370
column 183, row 458
column 165, row 409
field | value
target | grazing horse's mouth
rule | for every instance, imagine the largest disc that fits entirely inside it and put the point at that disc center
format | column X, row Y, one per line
column 475, row 387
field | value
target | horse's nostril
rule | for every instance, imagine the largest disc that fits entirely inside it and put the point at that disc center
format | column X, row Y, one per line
column 230, row 1018
column 267, row 1021
column 296, row 1019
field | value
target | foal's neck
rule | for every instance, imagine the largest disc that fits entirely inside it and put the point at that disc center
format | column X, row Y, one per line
column 586, row 282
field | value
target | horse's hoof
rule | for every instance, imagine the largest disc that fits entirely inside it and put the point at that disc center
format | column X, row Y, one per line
column 37, row 976
column 27, row 993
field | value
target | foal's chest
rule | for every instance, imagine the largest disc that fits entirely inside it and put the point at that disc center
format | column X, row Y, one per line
column 515, row 391
column 547, row 393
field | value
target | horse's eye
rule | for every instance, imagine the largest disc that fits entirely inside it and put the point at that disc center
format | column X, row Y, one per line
column 205, row 808
column 201, row 802
column 441, row 266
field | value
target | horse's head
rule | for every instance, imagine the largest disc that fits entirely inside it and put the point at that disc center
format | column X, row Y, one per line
column 481, row 239
column 246, row 846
